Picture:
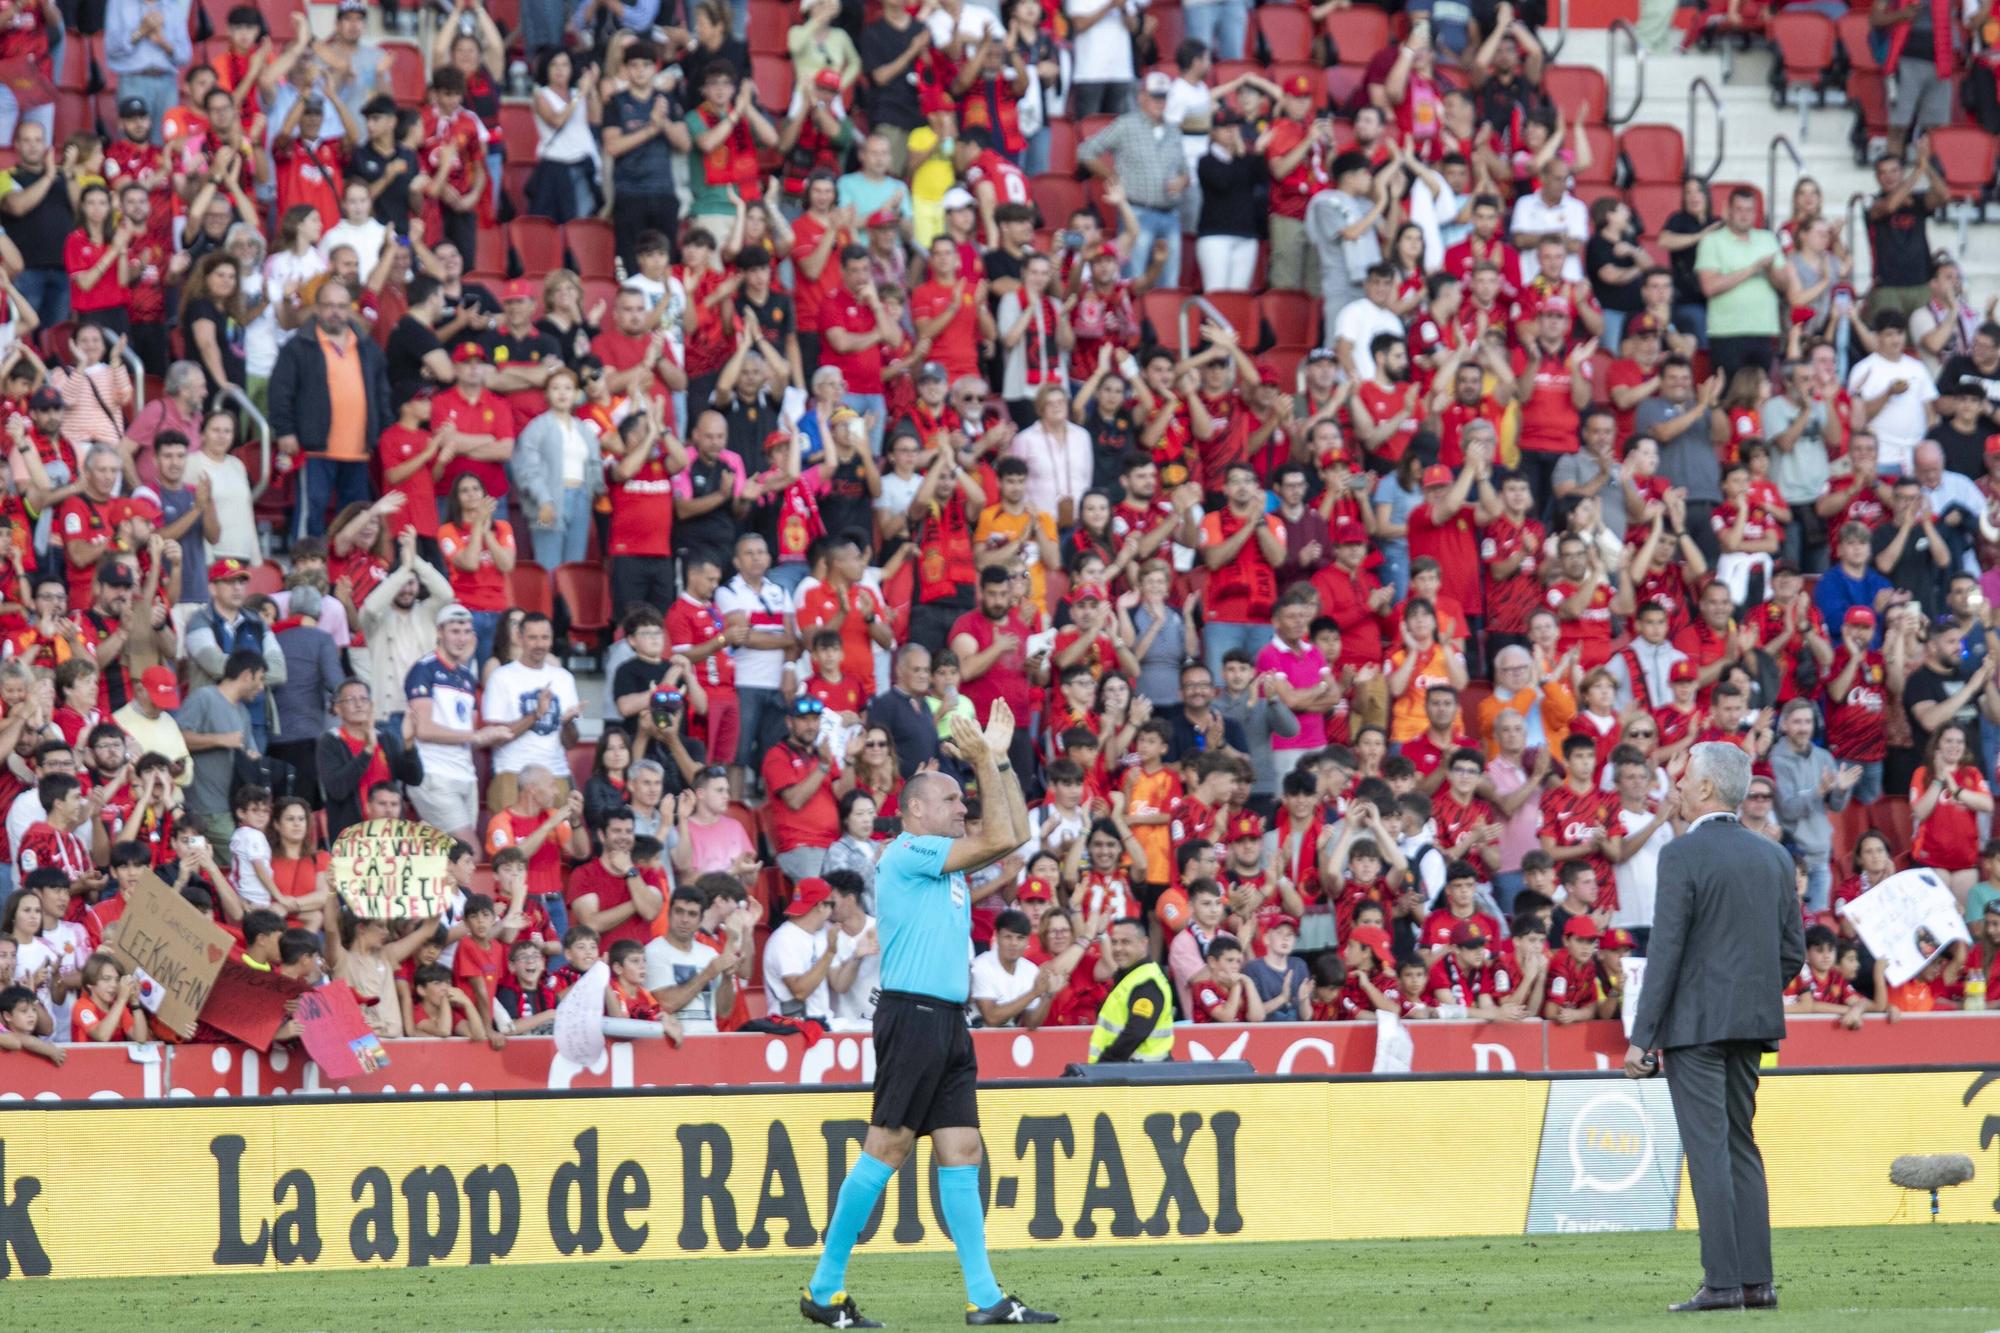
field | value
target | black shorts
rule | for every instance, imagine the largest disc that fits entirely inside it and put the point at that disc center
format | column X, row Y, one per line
column 926, row 1072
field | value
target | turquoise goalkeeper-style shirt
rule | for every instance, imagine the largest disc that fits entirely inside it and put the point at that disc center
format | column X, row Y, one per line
column 924, row 916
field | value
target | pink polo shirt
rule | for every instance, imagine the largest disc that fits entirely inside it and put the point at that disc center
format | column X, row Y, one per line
column 1303, row 668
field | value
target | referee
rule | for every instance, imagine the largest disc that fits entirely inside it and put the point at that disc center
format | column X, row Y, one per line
column 926, row 1075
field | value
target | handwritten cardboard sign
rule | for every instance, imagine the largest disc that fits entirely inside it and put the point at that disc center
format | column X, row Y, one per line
column 249, row 1003
column 1907, row 920
column 389, row 868
column 173, row 949
column 335, row 1034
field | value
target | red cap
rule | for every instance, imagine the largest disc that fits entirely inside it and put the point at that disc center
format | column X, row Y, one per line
column 1468, row 935
column 144, row 506
column 468, row 351
column 885, row 217
column 1992, row 445
column 161, row 687
column 1682, row 670
column 1859, row 615
column 518, row 289
column 1554, row 305
column 229, row 567
column 1298, row 86
column 1641, row 324
column 1377, row 940
column 1437, row 474
column 117, row 510
column 1616, row 938
column 775, row 439
column 809, row 894
column 1287, row 919
column 1349, row 532
column 828, row 79
column 1581, row 928
column 1246, row 824
column 1035, row 891
column 1266, row 375
column 1087, row 592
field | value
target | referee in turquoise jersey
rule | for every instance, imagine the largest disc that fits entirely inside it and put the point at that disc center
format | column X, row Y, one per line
column 926, row 1075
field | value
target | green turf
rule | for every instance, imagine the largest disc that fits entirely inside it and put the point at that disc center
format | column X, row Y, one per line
column 1910, row 1279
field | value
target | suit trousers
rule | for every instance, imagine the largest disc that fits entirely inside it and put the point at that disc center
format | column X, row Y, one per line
column 1714, row 1092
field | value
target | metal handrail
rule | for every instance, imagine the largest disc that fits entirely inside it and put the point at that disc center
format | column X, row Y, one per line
column 137, row 370
column 230, row 393
column 1611, row 71
column 1856, row 234
column 1187, row 344
column 1562, row 31
column 1698, row 89
column 1771, row 177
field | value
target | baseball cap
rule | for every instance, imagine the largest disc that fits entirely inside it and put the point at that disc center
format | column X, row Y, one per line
column 1859, row 615
column 161, row 687
column 1035, row 891
column 468, row 351
column 518, row 289
column 352, row 7
column 828, row 79
column 1581, row 928
column 1320, row 354
column 1266, row 375
column 957, row 197
column 1785, row 567
column 1682, row 670
column 810, row 894
column 1284, row 919
column 1640, row 326
column 1554, row 305
column 227, row 568
column 1157, row 84
column 932, row 370
column 133, row 106
column 1616, row 938
column 45, row 399
column 1437, row 474
column 115, row 575
column 1225, row 116
column 1245, row 825
column 1087, row 592
column 806, row 706
column 1298, row 86
column 1377, row 940
column 453, row 613
column 1468, row 935
column 1349, row 532
column 140, row 505
column 886, row 217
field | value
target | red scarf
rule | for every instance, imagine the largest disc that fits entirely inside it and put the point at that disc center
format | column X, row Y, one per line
column 734, row 160
column 1247, row 573
column 799, row 522
column 1941, row 43
column 1044, row 363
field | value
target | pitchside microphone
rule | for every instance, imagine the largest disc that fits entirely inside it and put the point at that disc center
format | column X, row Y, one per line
column 1940, row 1171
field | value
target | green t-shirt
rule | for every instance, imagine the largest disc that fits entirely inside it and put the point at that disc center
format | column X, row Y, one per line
column 1750, row 308
column 708, row 200
column 1976, row 899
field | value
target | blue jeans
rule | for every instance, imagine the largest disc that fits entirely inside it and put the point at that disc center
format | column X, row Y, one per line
column 344, row 483
column 864, row 403
column 1224, row 27
column 569, row 540
column 1869, row 789
column 761, row 715
column 485, row 624
column 160, row 92
column 1692, row 319
column 1614, row 330
column 1220, row 637
column 1156, row 224
column 1506, row 887
column 789, row 575
column 1819, row 884
column 47, row 290
column 1035, row 158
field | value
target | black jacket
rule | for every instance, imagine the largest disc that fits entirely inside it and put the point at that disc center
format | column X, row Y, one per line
column 340, row 771
column 300, row 404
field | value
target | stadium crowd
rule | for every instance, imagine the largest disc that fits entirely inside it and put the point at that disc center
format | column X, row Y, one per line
column 1360, row 616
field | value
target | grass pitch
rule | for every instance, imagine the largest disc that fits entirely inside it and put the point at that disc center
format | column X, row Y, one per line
column 1912, row 1279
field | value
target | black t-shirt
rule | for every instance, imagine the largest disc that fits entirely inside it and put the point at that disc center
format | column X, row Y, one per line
column 895, row 102
column 1000, row 264
column 392, row 206
column 775, row 315
column 228, row 336
column 633, row 675
column 1964, row 451
column 1962, row 376
column 1111, row 439
column 41, row 233
column 1901, row 245
column 531, row 348
column 1623, row 296
column 409, row 342
column 846, row 506
column 571, row 344
column 734, row 52
column 649, row 168
column 1229, row 194
column 1916, row 572
column 750, row 424
column 1928, row 685
column 714, row 531
column 470, row 294
column 1687, row 287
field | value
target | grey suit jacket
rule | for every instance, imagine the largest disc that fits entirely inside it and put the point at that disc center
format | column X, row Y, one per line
column 1727, row 936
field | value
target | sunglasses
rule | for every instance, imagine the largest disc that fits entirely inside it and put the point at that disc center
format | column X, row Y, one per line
column 874, row 745
column 1642, row 735
column 1759, row 796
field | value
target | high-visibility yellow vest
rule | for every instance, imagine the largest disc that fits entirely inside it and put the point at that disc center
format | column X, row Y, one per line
column 1116, row 1011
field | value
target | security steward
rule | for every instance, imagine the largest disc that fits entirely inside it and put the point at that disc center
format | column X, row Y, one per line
column 1136, row 1020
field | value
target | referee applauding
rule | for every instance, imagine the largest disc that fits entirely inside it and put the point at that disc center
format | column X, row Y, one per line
column 926, row 1074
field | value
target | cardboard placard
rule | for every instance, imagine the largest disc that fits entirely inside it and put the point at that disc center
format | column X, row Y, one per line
column 389, row 868
column 249, row 1003
column 335, row 1034
column 1907, row 920
column 172, row 948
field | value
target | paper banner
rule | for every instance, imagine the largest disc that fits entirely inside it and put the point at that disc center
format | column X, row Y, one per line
column 172, row 948
column 390, row 868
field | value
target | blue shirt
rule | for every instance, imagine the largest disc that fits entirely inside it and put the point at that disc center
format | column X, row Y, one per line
column 1836, row 592
column 925, row 919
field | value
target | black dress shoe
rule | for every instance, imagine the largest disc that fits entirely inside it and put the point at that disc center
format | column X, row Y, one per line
column 1707, row 1298
column 836, row 1313
column 1760, row 1296
column 1006, row 1310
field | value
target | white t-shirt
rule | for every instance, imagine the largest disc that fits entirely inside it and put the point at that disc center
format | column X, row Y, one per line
column 1103, row 53
column 264, row 337
column 857, row 1001
column 1359, row 322
column 29, row 959
column 366, row 239
column 1567, row 216
column 1901, row 424
column 991, row 981
column 667, row 964
column 511, row 693
column 247, row 847
column 769, row 608
column 1638, row 876
column 791, row 951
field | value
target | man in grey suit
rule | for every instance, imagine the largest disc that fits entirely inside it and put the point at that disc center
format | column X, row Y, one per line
column 1727, row 936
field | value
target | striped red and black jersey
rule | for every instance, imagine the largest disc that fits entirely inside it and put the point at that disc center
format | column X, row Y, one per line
column 1855, row 730
column 1510, row 601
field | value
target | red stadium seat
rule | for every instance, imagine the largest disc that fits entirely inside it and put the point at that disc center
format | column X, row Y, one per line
column 1285, row 362
column 1161, row 308
column 586, row 591
column 1343, row 86
column 1357, row 34
column 1062, row 146
column 406, row 73
column 770, row 21
column 1286, row 33
column 1238, row 310
column 76, row 74
column 1603, row 156
column 1169, row 26
column 599, row 291
column 1654, row 153
column 1589, row 192
column 489, row 254
column 517, row 126
column 537, row 245
column 1570, row 86
column 267, row 577
column 582, row 760
column 1292, row 317
column 1854, row 30
column 1719, row 192
column 592, row 247
column 1965, row 154
column 1057, row 196
column 281, row 18
column 528, row 585
column 1654, row 203
column 773, row 77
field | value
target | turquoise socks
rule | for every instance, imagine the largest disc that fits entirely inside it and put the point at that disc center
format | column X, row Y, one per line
column 958, row 1195
column 859, row 1194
